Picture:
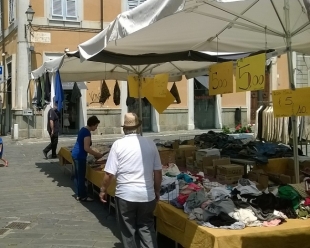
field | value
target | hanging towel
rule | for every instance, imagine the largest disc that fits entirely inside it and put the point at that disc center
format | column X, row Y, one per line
column 76, row 93
column 104, row 93
column 47, row 88
column 174, row 91
column 42, row 80
column 129, row 100
column 117, row 94
column 39, row 95
column 34, row 98
column 59, row 93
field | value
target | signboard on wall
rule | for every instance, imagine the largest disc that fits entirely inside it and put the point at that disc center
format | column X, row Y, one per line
column 41, row 37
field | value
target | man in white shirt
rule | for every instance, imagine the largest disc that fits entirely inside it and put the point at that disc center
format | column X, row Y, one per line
column 134, row 161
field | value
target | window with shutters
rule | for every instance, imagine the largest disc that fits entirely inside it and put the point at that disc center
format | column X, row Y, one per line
column 131, row 4
column 12, row 11
column 64, row 10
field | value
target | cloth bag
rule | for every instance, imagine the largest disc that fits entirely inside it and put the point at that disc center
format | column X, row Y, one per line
column 104, row 93
column 117, row 94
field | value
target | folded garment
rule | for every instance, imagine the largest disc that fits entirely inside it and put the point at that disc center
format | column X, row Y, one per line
column 215, row 208
column 246, row 216
column 219, row 193
column 245, row 186
column 195, row 199
column 222, row 219
column 235, row 226
column 196, row 214
column 176, row 204
column 272, row 223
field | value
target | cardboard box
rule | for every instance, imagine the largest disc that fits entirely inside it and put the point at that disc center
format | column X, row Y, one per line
column 221, row 161
column 200, row 154
column 189, row 161
column 210, row 171
column 224, row 179
column 208, row 162
column 185, row 151
column 230, row 170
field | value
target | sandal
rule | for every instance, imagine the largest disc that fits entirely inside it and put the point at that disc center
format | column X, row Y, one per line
column 86, row 199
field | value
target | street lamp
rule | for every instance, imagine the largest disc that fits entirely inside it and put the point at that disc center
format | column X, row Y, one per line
column 30, row 13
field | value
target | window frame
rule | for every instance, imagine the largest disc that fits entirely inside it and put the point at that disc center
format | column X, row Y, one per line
column 11, row 11
column 64, row 17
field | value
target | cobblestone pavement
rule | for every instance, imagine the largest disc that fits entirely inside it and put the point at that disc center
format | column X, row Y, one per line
column 38, row 192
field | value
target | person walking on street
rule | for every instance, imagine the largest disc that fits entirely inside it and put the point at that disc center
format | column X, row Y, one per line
column 134, row 161
column 6, row 164
column 79, row 155
column 53, row 118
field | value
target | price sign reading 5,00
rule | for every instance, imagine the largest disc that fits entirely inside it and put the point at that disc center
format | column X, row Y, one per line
column 250, row 73
column 221, row 78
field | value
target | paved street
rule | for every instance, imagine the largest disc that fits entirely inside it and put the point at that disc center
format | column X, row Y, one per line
column 37, row 193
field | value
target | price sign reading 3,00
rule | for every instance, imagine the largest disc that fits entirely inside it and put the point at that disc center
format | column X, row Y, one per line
column 221, row 78
column 250, row 73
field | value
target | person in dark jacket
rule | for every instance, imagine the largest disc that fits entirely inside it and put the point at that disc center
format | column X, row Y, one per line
column 53, row 119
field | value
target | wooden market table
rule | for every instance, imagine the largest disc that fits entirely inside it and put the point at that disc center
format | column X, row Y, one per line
column 174, row 224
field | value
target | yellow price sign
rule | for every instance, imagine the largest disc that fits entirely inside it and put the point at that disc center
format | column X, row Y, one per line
column 291, row 102
column 133, row 86
column 221, row 78
column 160, row 85
column 283, row 103
column 250, row 73
column 159, row 103
column 301, row 101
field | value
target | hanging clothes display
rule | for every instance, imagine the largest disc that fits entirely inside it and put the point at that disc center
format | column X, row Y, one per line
column 59, row 93
column 117, row 94
column 260, row 122
column 174, row 91
column 104, row 92
column 42, row 80
column 129, row 100
column 47, row 88
column 39, row 94
column 269, row 128
column 34, row 96
column 76, row 93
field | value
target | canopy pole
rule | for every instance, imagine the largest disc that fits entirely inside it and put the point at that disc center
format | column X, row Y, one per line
column 140, row 102
column 292, row 86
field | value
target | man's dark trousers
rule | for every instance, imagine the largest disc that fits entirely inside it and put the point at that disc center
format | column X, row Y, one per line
column 53, row 145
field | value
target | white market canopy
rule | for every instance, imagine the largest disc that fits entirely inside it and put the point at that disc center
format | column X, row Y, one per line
column 210, row 25
column 189, row 64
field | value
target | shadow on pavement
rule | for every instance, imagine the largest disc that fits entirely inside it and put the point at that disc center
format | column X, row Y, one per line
column 63, row 178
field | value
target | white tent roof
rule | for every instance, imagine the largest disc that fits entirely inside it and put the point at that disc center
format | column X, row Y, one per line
column 203, row 25
column 72, row 70
column 49, row 66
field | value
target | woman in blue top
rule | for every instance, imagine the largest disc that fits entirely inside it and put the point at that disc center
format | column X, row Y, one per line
column 79, row 155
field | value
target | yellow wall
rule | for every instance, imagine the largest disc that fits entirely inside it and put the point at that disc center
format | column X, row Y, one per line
column 234, row 100
column 93, row 95
column 111, row 8
column 38, row 7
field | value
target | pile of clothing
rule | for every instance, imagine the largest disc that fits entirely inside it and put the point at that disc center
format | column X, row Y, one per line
column 220, row 206
column 235, row 148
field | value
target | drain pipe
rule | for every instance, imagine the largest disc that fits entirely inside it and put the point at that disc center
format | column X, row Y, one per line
column 101, row 14
column 2, row 118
